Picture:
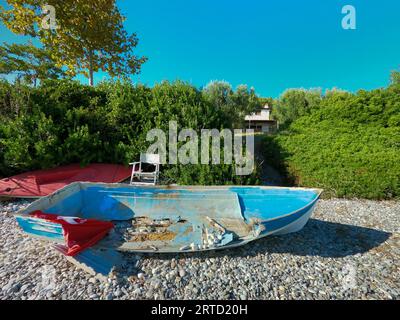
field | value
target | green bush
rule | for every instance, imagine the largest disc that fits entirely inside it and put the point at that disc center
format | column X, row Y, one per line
column 208, row 175
column 349, row 145
column 295, row 103
column 64, row 122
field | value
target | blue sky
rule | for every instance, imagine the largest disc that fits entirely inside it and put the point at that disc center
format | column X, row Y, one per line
column 270, row 45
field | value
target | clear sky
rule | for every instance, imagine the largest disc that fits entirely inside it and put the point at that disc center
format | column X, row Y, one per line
column 271, row 45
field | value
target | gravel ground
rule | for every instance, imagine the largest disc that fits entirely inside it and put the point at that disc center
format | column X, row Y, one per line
column 349, row 250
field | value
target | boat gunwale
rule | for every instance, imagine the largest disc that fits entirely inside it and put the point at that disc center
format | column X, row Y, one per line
column 310, row 204
column 20, row 213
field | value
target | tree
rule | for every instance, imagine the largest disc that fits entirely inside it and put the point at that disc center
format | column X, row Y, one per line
column 246, row 99
column 294, row 103
column 395, row 77
column 28, row 62
column 235, row 105
column 89, row 37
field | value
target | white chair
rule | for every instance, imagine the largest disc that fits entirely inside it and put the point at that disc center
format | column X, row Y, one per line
column 141, row 170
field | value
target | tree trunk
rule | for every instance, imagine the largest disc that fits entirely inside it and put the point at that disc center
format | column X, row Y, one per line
column 91, row 81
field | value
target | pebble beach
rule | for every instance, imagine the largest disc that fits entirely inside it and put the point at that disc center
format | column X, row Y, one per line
column 350, row 249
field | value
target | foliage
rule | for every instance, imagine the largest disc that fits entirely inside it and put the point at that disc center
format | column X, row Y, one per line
column 267, row 101
column 14, row 99
column 28, row 63
column 295, row 103
column 208, row 175
column 62, row 122
column 90, row 35
column 349, row 145
column 395, row 77
column 234, row 104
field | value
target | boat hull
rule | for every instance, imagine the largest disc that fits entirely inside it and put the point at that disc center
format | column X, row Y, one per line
column 175, row 219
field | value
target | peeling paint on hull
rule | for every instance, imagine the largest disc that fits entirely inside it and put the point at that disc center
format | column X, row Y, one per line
column 196, row 215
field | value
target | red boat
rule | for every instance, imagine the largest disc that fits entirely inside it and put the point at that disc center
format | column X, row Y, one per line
column 41, row 183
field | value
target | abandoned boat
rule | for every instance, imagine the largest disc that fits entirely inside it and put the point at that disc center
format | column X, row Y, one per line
column 171, row 219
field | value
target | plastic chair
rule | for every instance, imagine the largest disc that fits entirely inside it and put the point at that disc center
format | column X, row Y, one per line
column 147, row 170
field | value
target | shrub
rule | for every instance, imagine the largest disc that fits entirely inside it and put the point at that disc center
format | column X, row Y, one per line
column 349, row 145
column 295, row 103
column 64, row 122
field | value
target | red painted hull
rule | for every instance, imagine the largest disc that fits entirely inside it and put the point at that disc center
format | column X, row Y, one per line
column 41, row 183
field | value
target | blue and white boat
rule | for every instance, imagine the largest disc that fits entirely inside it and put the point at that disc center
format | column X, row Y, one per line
column 169, row 219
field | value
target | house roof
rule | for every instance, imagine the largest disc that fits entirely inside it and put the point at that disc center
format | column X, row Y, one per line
column 255, row 117
column 263, row 116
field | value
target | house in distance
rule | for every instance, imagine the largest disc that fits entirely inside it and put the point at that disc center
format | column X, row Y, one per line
column 261, row 121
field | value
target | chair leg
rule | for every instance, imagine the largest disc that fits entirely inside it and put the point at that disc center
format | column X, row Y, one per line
column 133, row 172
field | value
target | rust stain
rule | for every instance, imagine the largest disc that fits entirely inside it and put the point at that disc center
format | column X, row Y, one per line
column 188, row 231
column 147, row 222
column 166, row 196
column 162, row 236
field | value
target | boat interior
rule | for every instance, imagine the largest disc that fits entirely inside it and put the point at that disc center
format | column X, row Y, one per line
column 176, row 218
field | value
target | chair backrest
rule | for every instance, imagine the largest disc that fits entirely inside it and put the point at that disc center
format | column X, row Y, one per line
column 150, row 158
